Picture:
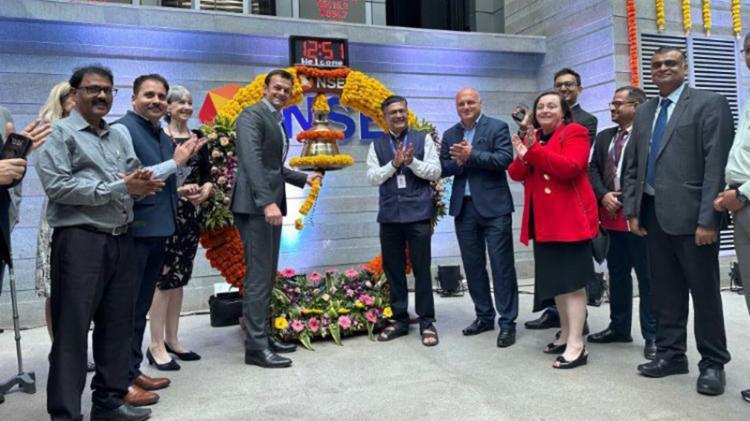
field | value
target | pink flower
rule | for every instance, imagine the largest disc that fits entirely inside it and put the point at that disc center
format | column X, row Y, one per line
column 345, row 322
column 288, row 272
column 332, row 271
column 314, row 278
column 370, row 316
column 366, row 299
column 314, row 325
column 351, row 273
column 298, row 326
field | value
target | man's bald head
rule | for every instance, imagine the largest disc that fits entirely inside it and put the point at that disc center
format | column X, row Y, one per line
column 468, row 106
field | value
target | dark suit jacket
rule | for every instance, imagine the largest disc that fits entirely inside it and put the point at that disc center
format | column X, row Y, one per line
column 586, row 120
column 261, row 150
column 491, row 154
column 598, row 164
column 689, row 165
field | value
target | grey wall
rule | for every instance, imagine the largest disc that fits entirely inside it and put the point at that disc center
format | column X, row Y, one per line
column 42, row 40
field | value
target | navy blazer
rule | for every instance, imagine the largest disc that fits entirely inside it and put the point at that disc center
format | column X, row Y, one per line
column 485, row 170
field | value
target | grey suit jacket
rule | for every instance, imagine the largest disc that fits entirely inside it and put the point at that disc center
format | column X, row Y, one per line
column 689, row 165
column 261, row 150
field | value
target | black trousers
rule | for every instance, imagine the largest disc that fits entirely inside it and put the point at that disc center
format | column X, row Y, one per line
column 149, row 260
column 394, row 239
column 680, row 268
column 92, row 278
column 476, row 235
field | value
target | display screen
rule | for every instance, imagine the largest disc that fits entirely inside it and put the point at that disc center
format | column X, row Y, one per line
column 318, row 52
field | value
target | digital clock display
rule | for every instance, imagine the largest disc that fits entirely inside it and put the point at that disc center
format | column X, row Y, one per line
column 318, row 52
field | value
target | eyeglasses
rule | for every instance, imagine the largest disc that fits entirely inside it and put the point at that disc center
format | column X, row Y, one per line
column 566, row 85
column 95, row 90
column 618, row 104
column 668, row 63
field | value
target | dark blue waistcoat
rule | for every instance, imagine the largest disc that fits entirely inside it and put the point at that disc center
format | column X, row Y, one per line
column 412, row 204
column 153, row 216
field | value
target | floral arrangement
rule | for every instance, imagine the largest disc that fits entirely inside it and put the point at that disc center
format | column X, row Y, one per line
column 314, row 72
column 660, row 16
column 334, row 304
column 633, row 37
column 320, row 134
column 322, row 161
column 687, row 20
column 736, row 19
column 307, row 205
column 707, row 16
column 225, row 253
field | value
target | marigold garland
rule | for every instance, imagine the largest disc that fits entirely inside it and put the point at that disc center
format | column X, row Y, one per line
column 660, row 16
column 736, row 19
column 320, row 134
column 224, row 252
column 633, row 40
column 314, row 72
column 362, row 92
column 322, row 161
column 320, row 105
column 687, row 20
column 253, row 93
column 707, row 17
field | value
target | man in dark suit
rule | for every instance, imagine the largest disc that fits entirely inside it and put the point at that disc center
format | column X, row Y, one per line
column 626, row 250
column 259, row 205
column 477, row 152
column 154, row 218
column 568, row 82
column 674, row 169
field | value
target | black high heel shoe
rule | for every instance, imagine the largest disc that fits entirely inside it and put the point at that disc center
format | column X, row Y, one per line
column 551, row 348
column 170, row 366
column 184, row 356
column 562, row 363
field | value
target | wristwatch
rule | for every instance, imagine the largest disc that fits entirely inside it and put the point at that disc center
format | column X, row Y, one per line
column 741, row 197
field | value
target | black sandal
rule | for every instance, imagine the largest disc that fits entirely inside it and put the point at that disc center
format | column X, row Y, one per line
column 430, row 333
column 562, row 363
column 551, row 348
column 392, row 332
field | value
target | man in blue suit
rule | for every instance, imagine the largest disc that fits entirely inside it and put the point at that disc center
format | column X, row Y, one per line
column 477, row 152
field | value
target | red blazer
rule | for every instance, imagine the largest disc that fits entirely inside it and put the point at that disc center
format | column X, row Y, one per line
column 557, row 188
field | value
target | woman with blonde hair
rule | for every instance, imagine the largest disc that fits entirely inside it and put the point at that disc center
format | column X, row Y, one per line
column 58, row 105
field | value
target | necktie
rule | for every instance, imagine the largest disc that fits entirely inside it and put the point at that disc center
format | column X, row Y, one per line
column 659, row 128
column 613, row 159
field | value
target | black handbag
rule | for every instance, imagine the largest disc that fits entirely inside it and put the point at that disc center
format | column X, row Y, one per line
column 225, row 308
column 595, row 289
column 600, row 245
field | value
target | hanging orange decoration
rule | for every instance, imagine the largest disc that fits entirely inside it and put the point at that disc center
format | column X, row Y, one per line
column 687, row 20
column 707, row 17
column 660, row 16
column 736, row 19
column 633, row 42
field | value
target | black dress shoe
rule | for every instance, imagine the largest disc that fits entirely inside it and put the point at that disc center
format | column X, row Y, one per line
column 478, row 326
column 266, row 358
column 170, row 366
column 608, row 336
column 745, row 395
column 547, row 320
column 711, row 381
column 649, row 350
column 184, row 356
column 281, row 347
column 662, row 368
column 506, row 338
column 124, row 412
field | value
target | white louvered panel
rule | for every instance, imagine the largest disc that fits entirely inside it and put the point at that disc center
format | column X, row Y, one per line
column 712, row 65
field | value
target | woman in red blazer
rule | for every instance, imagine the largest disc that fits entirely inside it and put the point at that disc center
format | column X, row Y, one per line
column 560, row 215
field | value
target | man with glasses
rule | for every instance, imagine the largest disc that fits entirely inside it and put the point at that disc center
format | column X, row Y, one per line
column 735, row 198
column 568, row 82
column 674, row 169
column 626, row 250
column 91, row 175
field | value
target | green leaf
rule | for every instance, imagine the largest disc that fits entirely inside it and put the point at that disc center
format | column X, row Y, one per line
column 370, row 328
column 304, row 338
column 335, row 332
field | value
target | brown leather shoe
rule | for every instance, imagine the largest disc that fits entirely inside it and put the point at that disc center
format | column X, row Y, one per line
column 151, row 383
column 139, row 397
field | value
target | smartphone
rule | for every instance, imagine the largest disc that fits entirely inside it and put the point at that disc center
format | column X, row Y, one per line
column 16, row 146
column 520, row 114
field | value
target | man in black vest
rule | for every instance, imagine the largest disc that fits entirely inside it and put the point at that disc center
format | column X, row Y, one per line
column 154, row 216
column 402, row 163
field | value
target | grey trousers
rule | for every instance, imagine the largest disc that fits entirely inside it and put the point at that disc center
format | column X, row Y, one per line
column 261, row 242
column 742, row 247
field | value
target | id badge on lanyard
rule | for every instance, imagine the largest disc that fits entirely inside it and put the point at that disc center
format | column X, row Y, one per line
column 400, row 178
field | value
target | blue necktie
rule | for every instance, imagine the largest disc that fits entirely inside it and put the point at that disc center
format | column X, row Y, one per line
column 659, row 128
